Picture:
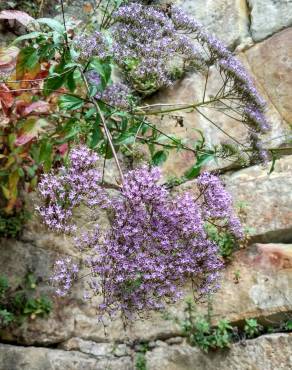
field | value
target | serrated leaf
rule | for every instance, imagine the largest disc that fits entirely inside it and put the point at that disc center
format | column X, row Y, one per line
column 27, row 60
column 69, row 102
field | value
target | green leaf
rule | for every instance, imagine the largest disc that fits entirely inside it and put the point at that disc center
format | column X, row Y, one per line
column 71, row 81
column 28, row 58
column 69, row 102
column 195, row 170
column 125, row 138
column 274, row 159
column 6, row 192
column 90, row 113
column 28, row 36
column 52, row 84
column 57, row 38
column 159, row 157
column 103, row 68
column 52, row 23
column 47, row 51
column 45, row 156
column 97, row 135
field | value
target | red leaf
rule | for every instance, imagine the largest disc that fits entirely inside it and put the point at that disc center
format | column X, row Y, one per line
column 6, row 98
column 23, row 139
column 37, row 107
column 22, row 17
column 62, row 149
column 31, row 128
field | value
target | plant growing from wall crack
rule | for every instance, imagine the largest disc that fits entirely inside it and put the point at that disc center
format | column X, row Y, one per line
column 61, row 106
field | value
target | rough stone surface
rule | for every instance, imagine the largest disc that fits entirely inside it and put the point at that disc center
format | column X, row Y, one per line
column 267, row 198
column 269, row 16
column 227, row 18
column 33, row 358
column 96, row 349
column 266, row 353
column 257, row 284
column 271, row 64
column 261, row 291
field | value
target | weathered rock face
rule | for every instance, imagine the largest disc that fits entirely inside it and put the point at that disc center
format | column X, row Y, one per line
column 269, row 16
column 32, row 358
column 268, row 199
column 227, row 18
column 271, row 64
column 267, row 353
column 262, row 288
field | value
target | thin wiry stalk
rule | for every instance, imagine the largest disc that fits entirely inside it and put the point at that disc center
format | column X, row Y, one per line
column 106, row 130
column 218, row 127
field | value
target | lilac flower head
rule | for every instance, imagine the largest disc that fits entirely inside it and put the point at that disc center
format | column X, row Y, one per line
column 218, row 202
column 117, row 95
column 146, row 44
column 76, row 184
column 92, row 45
column 154, row 243
column 65, row 272
column 256, row 119
column 93, row 78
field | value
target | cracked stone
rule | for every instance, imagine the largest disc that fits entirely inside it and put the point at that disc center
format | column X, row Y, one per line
column 89, row 347
column 264, row 353
column 36, row 358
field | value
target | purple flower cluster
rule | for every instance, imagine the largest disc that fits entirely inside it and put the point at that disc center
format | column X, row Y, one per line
column 76, row 184
column 145, row 45
column 93, row 45
column 256, row 119
column 65, row 273
column 155, row 242
column 93, row 78
column 217, row 203
column 241, row 84
column 149, row 40
column 117, row 95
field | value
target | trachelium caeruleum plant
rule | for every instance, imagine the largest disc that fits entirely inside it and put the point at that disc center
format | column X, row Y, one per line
column 155, row 241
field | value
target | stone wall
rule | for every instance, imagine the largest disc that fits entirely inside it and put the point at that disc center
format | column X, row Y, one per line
column 71, row 338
